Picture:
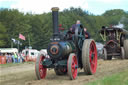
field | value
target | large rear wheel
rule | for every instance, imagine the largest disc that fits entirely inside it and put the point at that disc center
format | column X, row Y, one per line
column 72, row 66
column 39, row 68
column 89, row 56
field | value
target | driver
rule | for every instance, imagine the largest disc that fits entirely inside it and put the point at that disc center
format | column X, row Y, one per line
column 72, row 29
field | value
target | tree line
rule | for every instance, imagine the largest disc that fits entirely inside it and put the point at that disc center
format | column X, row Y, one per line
column 37, row 28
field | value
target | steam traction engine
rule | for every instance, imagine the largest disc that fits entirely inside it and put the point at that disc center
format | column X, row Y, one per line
column 115, row 42
column 67, row 52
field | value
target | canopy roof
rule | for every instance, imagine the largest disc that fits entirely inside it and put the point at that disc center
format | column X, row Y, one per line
column 8, row 50
column 113, row 29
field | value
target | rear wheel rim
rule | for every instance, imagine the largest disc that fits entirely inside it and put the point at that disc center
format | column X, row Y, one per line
column 93, row 57
column 42, row 70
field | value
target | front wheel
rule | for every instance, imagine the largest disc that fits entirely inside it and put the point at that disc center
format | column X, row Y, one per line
column 39, row 68
column 72, row 66
column 104, row 54
column 89, row 56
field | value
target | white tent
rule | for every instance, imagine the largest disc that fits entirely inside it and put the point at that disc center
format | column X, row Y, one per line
column 8, row 50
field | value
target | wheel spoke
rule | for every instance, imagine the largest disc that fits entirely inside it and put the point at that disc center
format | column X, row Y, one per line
column 90, row 54
column 41, row 67
column 93, row 63
column 73, row 66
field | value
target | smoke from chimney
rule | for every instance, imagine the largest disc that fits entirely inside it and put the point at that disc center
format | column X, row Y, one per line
column 120, row 25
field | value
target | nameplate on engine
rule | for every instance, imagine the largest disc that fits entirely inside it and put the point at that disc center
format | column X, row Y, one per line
column 54, row 42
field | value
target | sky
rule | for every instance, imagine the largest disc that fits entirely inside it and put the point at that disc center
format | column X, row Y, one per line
column 96, row 7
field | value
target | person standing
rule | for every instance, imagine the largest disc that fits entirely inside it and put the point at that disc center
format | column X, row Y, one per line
column 7, row 57
column 10, row 58
column 19, row 58
column 13, row 57
column 72, row 29
column 23, row 57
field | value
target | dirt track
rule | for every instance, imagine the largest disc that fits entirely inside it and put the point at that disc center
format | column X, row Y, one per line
column 25, row 74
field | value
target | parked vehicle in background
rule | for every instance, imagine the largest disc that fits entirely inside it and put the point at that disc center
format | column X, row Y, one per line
column 30, row 54
column 99, row 49
column 44, row 51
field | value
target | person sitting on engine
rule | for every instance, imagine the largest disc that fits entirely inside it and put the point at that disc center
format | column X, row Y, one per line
column 87, row 35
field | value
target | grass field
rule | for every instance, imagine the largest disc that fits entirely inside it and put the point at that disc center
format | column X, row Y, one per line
column 115, row 79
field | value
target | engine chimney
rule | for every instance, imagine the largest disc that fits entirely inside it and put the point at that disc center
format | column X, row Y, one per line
column 55, row 23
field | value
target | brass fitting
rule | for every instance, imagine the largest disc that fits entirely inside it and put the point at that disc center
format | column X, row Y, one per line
column 55, row 9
